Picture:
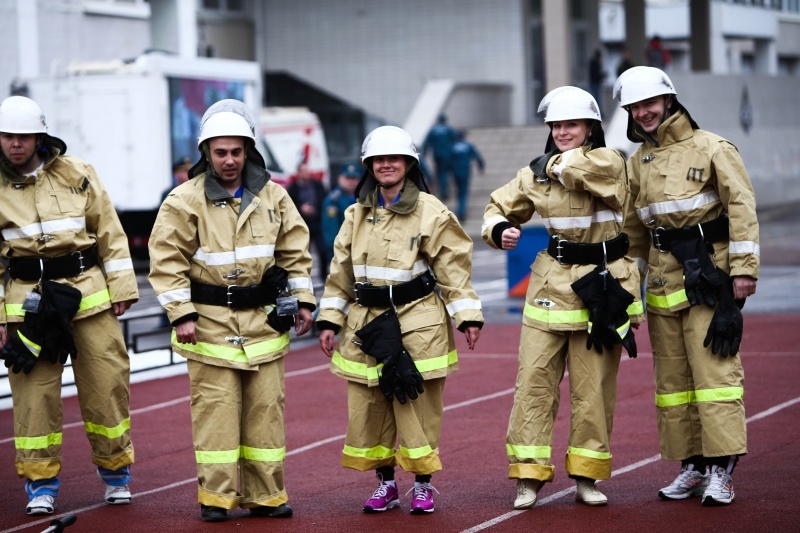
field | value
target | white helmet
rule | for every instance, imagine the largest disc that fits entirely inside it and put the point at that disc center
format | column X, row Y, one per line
column 19, row 114
column 227, row 118
column 569, row 103
column 388, row 140
column 640, row 83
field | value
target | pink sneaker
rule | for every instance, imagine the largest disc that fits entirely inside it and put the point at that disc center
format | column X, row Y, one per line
column 422, row 501
column 383, row 499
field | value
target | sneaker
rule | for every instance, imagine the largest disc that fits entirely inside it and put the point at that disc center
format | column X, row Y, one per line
column 383, row 499
column 720, row 487
column 588, row 493
column 213, row 514
column 118, row 495
column 422, row 501
column 689, row 483
column 527, row 491
column 42, row 504
column 281, row 511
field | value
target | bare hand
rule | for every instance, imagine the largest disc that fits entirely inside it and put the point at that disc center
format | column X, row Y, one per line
column 472, row 335
column 327, row 341
column 302, row 321
column 186, row 332
column 3, row 335
column 121, row 307
column 743, row 286
column 510, row 238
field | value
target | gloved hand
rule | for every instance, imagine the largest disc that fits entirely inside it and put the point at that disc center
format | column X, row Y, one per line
column 408, row 380
column 700, row 277
column 619, row 329
column 727, row 325
column 387, row 379
column 59, row 304
column 18, row 355
column 592, row 290
column 539, row 164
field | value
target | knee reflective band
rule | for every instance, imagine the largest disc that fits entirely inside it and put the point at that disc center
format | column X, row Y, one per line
column 727, row 325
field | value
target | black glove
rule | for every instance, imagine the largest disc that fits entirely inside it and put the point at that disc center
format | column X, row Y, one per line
column 408, row 381
column 539, row 164
column 388, row 378
column 727, row 325
column 280, row 323
column 58, row 306
column 618, row 330
column 700, row 277
column 592, row 290
column 17, row 356
column 24, row 347
column 278, row 277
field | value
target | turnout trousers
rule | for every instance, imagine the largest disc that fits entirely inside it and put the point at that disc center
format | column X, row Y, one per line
column 699, row 395
column 543, row 358
column 375, row 425
column 238, row 434
column 102, row 378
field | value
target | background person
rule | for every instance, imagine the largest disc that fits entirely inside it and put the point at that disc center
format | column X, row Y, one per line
column 695, row 228
column 336, row 203
column 180, row 174
column 308, row 195
column 396, row 245
column 462, row 154
column 54, row 208
column 580, row 189
column 440, row 141
column 225, row 246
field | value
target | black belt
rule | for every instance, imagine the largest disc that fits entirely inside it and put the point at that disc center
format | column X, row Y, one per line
column 234, row 296
column 65, row 266
column 372, row 296
column 585, row 253
column 712, row 231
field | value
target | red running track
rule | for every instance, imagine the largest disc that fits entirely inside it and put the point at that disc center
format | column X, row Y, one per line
column 475, row 493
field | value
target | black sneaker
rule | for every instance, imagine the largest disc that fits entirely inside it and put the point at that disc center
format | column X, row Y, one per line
column 213, row 514
column 281, row 511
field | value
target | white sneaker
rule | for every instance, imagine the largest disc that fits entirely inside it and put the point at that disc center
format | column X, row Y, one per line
column 720, row 487
column 689, row 483
column 42, row 504
column 527, row 491
column 118, row 495
column 586, row 492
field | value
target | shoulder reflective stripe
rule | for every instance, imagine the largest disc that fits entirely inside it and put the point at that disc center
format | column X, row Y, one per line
column 354, row 368
column 463, row 305
column 744, row 247
column 266, row 455
column 695, row 396
column 175, row 295
column 556, row 317
column 437, row 363
column 117, row 265
column 301, row 283
column 64, row 224
column 334, row 303
column 416, row 453
column 20, row 233
column 216, row 457
column 256, row 251
column 266, row 347
column 376, row 452
column 665, row 302
column 563, row 223
column 491, row 222
column 32, row 347
column 390, row 274
column 227, row 353
column 93, row 300
column 214, row 259
column 528, row 452
column 38, row 443
column 681, row 206
column 583, row 452
column 110, row 432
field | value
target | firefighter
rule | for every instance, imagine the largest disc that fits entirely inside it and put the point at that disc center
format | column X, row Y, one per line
column 65, row 250
column 401, row 262
column 582, row 299
column 231, row 267
column 695, row 229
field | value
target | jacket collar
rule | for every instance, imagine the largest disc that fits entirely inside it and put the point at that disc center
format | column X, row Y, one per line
column 406, row 204
column 254, row 178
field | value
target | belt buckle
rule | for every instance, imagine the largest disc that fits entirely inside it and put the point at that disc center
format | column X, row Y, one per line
column 81, row 266
column 229, row 294
column 657, row 239
column 358, row 285
column 559, row 248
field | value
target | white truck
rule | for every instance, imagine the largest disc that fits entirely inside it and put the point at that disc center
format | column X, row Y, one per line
column 133, row 119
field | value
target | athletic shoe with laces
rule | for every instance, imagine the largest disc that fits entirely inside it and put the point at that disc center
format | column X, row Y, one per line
column 720, row 487
column 384, row 498
column 42, row 504
column 422, row 501
column 689, row 483
column 587, row 493
column 527, row 491
column 118, row 495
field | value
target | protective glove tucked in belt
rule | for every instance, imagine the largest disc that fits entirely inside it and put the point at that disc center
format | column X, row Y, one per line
column 592, row 290
column 727, row 325
column 382, row 339
column 59, row 305
column 279, row 278
column 23, row 348
column 700, row 277
column 619, row 329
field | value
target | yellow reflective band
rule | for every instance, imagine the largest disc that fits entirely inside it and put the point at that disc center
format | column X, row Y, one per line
column 14, row 310
column 37, row 443
column 111, row 433
column 437, row 363
column 376, row 452
column 93, row 300
column 266, row 455
column 32, row 347
column 556, row 317
column 665, row 302
column 353, row 367
column 266, row 347
column 228, row 353
column 636, row 308
column 216, row 457
column 416, row 453
column 591, row 454
column 624, row 329
column 528, row 452
column 722, row 394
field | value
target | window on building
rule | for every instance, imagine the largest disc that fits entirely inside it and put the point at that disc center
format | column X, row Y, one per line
column 233, row 7
column 118, row 8
column 792, row 6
